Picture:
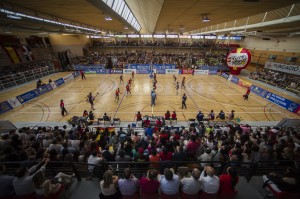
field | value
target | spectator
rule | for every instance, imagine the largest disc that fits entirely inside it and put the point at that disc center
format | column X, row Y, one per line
column 109, row 186
column 22, row 182
column 169, row 182
column 92, row 161
column 191, row 185
column 6, row 183
column 149, row 185
column 210, row 182
column 228, row 182
column 129, row 185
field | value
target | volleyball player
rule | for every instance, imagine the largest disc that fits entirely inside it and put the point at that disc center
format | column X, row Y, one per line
column 177, row 88
column 121, row 79
column 132, row 75
column 247, row 94
column 91, row 100
column 62, row 107
column 117, row 95
column 184, row 98
column 128, row 90
column 183, row 83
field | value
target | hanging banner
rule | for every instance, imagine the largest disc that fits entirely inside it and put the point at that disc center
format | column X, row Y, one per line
column 286, row 68
column 11, row 52
column 172, row 71
column 129, row 71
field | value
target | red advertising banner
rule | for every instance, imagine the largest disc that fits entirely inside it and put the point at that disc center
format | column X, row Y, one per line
column 188, row 71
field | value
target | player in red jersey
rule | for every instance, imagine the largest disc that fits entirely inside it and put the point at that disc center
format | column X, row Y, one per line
column 62, row 107
column 128, row 90
column 132, row 75
column 247, row 94
column 183, row 83
column 117, row 93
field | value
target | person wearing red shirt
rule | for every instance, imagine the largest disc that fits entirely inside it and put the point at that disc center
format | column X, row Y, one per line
column 82, row 74
column 247, row 94
column 192, row 146
column 167, row 115
column 228, row 182
column 62, row 107
column 149, row 185
column 165, row 155
column 138, row 116
column 128, row 90
column 154, row 157
column 174, row 116
column 117, row 95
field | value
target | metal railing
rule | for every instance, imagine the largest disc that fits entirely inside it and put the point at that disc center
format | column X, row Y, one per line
column 26, row 76
column 245, row 169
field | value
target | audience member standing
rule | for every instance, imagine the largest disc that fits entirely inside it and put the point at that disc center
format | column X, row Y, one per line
column 228, row 182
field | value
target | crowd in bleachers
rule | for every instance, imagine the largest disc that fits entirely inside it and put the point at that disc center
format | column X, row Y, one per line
column 134, row 57
column 203, row 142
column 161, row 43
column 279, row 79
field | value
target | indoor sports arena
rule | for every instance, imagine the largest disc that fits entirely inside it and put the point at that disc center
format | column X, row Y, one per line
column 148, row 99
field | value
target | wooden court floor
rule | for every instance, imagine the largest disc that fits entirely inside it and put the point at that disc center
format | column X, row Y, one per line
column 205, row 93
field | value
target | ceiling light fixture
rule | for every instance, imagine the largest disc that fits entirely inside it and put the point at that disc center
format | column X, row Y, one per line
column 205, row 19
column 17, row 14
column 13, row 16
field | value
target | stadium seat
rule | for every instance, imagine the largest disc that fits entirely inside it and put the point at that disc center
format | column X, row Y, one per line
column 117, row 121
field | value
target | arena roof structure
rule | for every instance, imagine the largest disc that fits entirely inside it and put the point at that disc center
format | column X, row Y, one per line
column 196, row 17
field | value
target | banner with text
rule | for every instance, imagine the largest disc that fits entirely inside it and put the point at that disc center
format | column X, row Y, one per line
column 116, row 71
column 286, row 68
column 129, row 71
column 59, row 81
column 5, row 106
column 276, row 99
column 25, row 97
column 93, row 66
column 172, row 71
column 201, row 72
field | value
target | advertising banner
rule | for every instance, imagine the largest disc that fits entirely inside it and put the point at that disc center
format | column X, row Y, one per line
column 14, row 102
column 90, row 71
column 160, row 71
column 116, row 71
column 172, row 71
column 201, row 72
column 68, row 78
column 187, row 71
column 94, row 66
column 164, row 66
column 100, row 71
column 286, row 68
column 43, row 89
column 213, row 72
column 225, row 75
column 25, row 97
column 276, row 99
column 5, row 106
column 129, row 71
column 138, row 71
column 59, row 82
column 53, row 85
column 234, row 79
column 244, row 83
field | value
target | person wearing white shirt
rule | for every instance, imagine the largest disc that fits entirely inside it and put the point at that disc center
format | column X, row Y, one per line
column 169, row 182
column 210, row 182
column 191, row 185
column 92, row 161
column 205, row 157
column 23, row 183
